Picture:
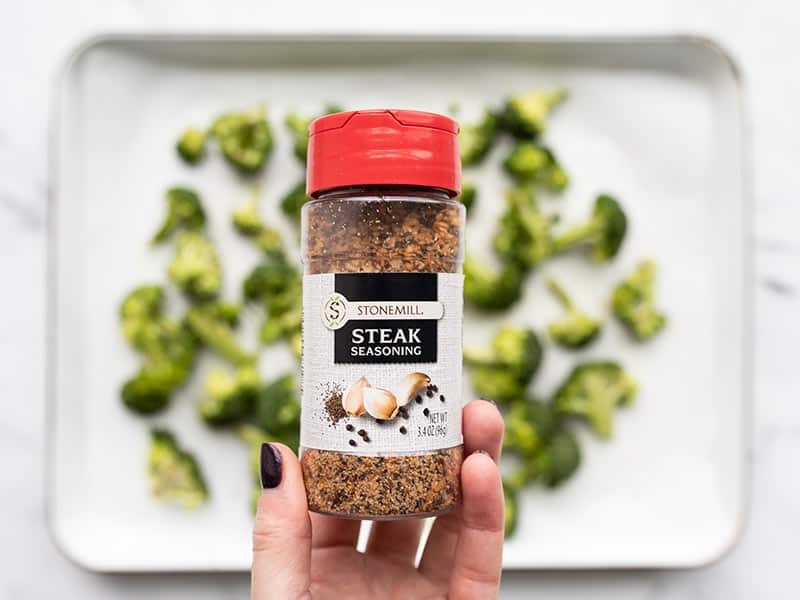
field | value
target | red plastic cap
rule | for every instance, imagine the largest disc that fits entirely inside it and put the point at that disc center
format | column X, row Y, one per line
column 383, row 147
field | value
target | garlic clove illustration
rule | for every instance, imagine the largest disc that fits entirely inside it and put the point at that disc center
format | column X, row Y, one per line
column 380, row 403
column 353, row 399
column 410, row 385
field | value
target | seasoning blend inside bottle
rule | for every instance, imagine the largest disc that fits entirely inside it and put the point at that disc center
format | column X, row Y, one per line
column 382, row 309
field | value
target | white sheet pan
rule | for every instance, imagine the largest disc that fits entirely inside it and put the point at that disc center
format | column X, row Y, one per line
column 656, row 121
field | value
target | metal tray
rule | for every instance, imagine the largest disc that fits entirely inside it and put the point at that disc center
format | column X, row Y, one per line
column 657, row 121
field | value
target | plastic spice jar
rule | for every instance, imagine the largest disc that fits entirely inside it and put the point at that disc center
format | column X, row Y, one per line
column 382, row 309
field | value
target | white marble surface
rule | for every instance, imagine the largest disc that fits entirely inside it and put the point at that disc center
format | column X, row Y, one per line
column 34, row 36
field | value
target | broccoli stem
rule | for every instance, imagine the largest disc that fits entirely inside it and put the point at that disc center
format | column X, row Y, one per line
column 577, row 234
column 560, row 294
column 218, row 336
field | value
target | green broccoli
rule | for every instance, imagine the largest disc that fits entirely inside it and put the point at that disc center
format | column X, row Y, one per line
column 184, row 212
column 475, row 141
column 245, row 139
column 230, row 396
column 633, row 303
column 248, row 222
column 282, row 324
column 245, row 218
column 174, row 473
column 522, row 434
column 149, row 391
column 491, row 290
column 270, row 242
column 576, row 329
column 298, row 127
column 603, row 234
column 292, row 203
column 139, row 309
column 523, row 236
column 559, row 459
column 191, row 146
column 211, row 325
column 269, row 278
column 530, row 423
column 468, row 195
column 195, row 267
column 594, row 390
column 168, row 349
column 278, row 409
column 529, row 162
column 503, row 371
column 526, row 115
column 278, row 285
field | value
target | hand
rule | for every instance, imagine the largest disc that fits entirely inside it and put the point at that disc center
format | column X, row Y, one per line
column 297, row 555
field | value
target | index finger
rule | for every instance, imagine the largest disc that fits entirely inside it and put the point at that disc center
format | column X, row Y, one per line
column 479, row 551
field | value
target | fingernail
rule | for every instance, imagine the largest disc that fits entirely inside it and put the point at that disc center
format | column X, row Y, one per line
column 481, row 451
column 271, row 470
column 490, row 401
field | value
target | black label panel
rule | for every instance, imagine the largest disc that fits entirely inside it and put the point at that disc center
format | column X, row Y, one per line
column 392, row 340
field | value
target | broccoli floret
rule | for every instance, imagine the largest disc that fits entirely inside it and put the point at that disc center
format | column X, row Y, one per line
column 278, row 286
column 491, row 290
column 559, row 459
column 245, row 139
column 468, row 195
column 633, row 302
column 248, row 222
column 594, row 390
column 529, row 162
column 521, row 433
column 475, row 141
column 195, row 267
column 212, row 327
column 298, row 127
column 526, row 115
column 174, row 473
column 191, row 146
column 511, row 510
column 138, row 310
column 184, row 212
column 269, row 278
column 282, row 324
column 270, row 242
column 530, row 423
column 575, row 329
column 503, row 371
column 523, row 234
column 292, row 203
column 149, row 390
column 230, row 396
column 603, row 234
column 278, row 409
column 168, row 349
column 246, row 219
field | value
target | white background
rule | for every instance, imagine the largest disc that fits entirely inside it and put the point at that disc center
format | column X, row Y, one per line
column 34, row 37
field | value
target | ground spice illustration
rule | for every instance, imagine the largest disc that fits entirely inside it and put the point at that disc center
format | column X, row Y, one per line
column 332, row 400
column 401, row 231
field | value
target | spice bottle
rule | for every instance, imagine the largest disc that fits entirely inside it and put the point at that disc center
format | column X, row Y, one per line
column 382, row 309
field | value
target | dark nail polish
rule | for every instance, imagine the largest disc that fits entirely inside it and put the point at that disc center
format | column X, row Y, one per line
column 271, row 470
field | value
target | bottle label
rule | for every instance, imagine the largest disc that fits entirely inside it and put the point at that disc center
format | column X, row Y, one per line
column 381, row 362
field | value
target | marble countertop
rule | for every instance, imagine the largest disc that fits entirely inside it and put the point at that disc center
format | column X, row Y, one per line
column 35, row 36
